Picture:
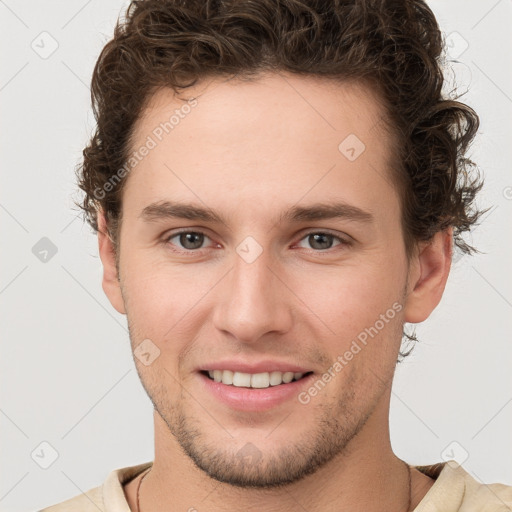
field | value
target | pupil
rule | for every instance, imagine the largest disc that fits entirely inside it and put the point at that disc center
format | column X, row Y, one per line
column 187, row 238
column 316, row 237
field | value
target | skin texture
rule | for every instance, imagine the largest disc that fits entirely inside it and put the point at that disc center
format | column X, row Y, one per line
column 251, row 150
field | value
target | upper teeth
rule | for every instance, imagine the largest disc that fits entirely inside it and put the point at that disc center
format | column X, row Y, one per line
column 253, row 380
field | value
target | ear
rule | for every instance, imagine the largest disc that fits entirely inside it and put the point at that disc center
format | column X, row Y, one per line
column 110, row 283
column 428, row 273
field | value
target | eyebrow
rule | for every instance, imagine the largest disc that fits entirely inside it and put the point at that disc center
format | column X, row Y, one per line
column 163, row 210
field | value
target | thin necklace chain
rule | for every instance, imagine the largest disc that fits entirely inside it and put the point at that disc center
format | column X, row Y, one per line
column 410, row 487
column 407, row 465
column 138, row 488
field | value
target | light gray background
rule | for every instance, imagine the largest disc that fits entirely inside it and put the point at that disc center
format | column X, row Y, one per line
column 68, row 378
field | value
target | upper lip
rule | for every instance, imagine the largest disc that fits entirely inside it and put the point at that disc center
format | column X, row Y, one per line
column 255, row 367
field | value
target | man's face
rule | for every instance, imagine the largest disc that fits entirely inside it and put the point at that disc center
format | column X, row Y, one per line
column 259, row 291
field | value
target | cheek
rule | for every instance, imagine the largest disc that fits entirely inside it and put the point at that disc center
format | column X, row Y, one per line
column 350, row 301
column 153, row 301
column 154, row 287
column 153, row 315
column 352, row 290
column 166, row 305
column 147, row 296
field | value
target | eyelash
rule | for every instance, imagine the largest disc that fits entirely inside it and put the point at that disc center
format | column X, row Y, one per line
column 343, row 241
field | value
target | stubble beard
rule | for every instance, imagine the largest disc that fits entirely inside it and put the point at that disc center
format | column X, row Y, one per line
column 260, row 467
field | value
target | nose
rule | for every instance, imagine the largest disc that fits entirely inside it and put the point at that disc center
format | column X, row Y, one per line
column 253, row 301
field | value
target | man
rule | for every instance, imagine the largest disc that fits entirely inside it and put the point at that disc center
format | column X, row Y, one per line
column 277, row 188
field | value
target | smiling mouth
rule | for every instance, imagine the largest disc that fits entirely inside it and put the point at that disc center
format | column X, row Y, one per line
column 253, row 380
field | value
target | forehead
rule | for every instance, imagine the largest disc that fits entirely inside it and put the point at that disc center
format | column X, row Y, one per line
column 235, row 106
column 273, row 140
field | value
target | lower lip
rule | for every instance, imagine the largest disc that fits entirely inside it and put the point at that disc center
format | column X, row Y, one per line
column 252, row 399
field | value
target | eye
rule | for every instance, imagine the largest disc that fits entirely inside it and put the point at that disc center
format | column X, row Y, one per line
column 322, row 241
column 189, row 240
column 192, row 241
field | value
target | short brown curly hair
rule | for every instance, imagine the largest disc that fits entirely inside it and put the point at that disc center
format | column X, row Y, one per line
column 393, row 45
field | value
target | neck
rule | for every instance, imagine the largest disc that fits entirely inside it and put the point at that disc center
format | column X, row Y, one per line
column 367, row 476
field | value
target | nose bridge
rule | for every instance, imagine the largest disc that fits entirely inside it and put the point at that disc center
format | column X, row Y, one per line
column 252, row 301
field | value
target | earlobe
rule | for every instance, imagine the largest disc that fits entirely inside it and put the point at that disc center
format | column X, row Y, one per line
column 110, row 283
column 429, row 273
